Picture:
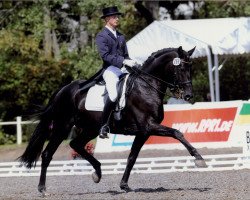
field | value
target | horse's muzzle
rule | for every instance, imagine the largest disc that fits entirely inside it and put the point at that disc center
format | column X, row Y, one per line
column 188, row 97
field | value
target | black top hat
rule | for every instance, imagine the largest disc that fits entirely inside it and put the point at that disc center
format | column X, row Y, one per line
column 110, row 11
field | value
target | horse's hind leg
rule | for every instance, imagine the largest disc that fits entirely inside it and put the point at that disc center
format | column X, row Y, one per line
column 78, row 145
column 160, row 130
column 59, row 134
column 135, row 149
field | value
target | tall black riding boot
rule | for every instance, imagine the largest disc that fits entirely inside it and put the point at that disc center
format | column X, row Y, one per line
column 108, row 108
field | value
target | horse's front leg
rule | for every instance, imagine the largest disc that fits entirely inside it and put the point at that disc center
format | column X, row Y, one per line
column 160, row 130
column 135, row 149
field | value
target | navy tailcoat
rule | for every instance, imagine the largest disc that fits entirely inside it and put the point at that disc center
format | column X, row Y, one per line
column 112, row 50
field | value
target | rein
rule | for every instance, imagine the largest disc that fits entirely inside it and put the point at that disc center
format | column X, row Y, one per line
column 143, row 72
column 175, row 86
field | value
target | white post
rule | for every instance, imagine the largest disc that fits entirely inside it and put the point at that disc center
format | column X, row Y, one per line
column 19, row 130
column 217, row 79
column 210, row 74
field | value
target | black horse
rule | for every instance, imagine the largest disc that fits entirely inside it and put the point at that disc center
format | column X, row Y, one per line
column 142, row 115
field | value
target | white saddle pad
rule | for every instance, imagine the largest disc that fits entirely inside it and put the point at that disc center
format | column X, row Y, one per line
column 95, row 97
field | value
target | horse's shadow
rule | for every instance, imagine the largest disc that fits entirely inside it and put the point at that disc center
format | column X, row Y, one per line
column 150, row 190
column 159, row 189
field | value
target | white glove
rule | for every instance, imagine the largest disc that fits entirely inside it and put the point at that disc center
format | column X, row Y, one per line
column 129, row 62
column 124, row 70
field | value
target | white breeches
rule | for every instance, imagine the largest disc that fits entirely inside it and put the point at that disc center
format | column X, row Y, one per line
column 111, row 77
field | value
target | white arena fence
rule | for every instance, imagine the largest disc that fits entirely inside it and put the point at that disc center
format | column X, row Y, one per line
column 142, row 165
column 18, row 123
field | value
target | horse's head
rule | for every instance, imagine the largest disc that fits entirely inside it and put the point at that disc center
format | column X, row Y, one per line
column 173, row 66
column 182, row 74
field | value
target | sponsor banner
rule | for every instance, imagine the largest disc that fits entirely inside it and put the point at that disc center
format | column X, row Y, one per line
column 243, row 121
column 114, row 143
column 244, row 115
column 122, row 140
column 205, row 124
column 199, row 125
column 246, row 142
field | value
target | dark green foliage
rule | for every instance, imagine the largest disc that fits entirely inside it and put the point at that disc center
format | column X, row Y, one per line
column 27, row 76
column 6, row 138
column 235, row 78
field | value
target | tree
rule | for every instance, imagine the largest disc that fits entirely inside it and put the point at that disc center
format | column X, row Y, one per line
column 46, row 44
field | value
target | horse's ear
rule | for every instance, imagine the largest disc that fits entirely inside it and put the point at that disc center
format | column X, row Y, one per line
column 190, row 52
column 180, row 51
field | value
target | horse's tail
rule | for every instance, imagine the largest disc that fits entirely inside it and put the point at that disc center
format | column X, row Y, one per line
column 39, row 136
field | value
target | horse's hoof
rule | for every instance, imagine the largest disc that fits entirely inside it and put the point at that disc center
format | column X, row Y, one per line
column 200, row 163
column 44, row 194
column 95, row 177
column 125, row 187
column 42, row 190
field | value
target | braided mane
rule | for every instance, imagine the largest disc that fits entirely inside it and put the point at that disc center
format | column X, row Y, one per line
column 156, row 54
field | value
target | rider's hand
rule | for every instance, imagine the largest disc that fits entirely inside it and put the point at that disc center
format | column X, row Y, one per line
column 124, row 70
column 129, row 62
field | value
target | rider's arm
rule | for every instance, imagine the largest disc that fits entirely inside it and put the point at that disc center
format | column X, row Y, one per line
column 105, row 51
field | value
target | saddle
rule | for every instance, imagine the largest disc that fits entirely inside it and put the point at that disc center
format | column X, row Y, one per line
column 97, row 96
column 83, row 87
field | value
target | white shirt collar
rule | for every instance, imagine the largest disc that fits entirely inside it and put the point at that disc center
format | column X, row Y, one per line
column 112, row 31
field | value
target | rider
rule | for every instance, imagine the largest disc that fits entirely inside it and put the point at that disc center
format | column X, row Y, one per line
column 112, row 48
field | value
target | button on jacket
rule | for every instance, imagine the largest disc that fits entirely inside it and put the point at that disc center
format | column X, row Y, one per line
column 112, row 50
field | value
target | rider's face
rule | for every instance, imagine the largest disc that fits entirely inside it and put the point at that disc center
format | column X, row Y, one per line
column 112, row 21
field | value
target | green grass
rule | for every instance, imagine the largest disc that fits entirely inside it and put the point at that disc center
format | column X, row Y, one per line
column 12, row 146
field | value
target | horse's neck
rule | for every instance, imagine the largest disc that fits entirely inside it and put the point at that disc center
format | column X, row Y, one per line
column 157, row 71
column 147, row 84
column 157, row 64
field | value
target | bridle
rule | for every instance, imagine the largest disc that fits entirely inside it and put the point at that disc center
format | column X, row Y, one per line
column 178, row 84
column 175, row 86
